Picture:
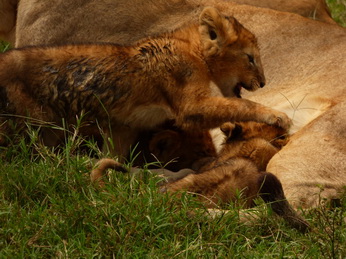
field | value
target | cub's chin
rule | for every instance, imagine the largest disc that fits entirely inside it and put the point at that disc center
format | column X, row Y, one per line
column 253, row 87
column 237, row 90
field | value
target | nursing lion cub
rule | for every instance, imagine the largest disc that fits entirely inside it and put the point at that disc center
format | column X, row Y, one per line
column 182, row 75
column 240, row 167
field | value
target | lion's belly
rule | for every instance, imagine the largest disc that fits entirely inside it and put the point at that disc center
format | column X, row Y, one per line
column 149, row 116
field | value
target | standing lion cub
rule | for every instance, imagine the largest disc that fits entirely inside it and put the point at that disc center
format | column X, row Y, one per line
column 122, row 90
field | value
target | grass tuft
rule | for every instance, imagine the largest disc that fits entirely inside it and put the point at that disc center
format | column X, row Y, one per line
column 49, row 208
column 338, row 11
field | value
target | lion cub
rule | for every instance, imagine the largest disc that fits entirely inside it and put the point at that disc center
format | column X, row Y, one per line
column 240, row 166
column 184, row 75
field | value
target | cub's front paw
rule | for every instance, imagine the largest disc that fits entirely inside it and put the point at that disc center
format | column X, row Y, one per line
column 280, row 119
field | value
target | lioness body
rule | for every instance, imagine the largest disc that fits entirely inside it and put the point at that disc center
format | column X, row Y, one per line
column 315, row 9
column 37, row 16
column 128, row 89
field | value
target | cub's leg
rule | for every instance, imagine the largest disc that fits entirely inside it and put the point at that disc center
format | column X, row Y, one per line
column 219, row 185
column 211, row 112
column 17, row 107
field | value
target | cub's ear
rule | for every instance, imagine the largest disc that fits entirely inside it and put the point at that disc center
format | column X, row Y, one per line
column 216, row 31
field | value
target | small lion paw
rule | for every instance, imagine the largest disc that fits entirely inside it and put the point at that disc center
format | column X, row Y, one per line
column 281, row 120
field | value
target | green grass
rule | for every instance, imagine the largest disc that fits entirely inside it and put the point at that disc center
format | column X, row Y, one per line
column 49, row 208
column 338, row 11
column 4, row 46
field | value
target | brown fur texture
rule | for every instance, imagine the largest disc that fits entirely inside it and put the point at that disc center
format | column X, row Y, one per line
column 8, row 20
column 315, row 9
column 102, row 166
column 303, row 61
column 255, row 141
column 167, row 151
column 246, row 150
column 173, row 148
column 129, row 89
column 40, row 16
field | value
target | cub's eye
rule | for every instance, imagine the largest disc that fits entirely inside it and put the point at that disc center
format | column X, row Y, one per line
column 251, row 58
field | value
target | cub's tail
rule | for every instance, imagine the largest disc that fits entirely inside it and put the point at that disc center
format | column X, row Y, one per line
column 102, row 166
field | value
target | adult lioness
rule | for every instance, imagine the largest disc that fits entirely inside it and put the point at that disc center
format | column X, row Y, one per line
column 129, row 89
column 315, row 9
column 35, row 17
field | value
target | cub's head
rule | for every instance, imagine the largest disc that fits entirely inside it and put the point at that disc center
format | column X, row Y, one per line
column 244, row 131
column 231, row 53
column 174, row 147
column 255, row 141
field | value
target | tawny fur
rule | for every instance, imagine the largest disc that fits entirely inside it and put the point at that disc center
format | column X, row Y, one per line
column 102, row 166
column 315, row 9
column 8, row 20
column 173, row 148
column 246, row 151
column 167, row 151
column 36, row 17
column 247, row 148
column 255, row 141
column 303, row 60
column 128, row 89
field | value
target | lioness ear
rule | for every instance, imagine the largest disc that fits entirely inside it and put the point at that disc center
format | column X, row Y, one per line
column 216, row 31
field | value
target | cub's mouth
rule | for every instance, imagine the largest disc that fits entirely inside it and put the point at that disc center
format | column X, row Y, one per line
column 254, row 86
column 237, row 89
